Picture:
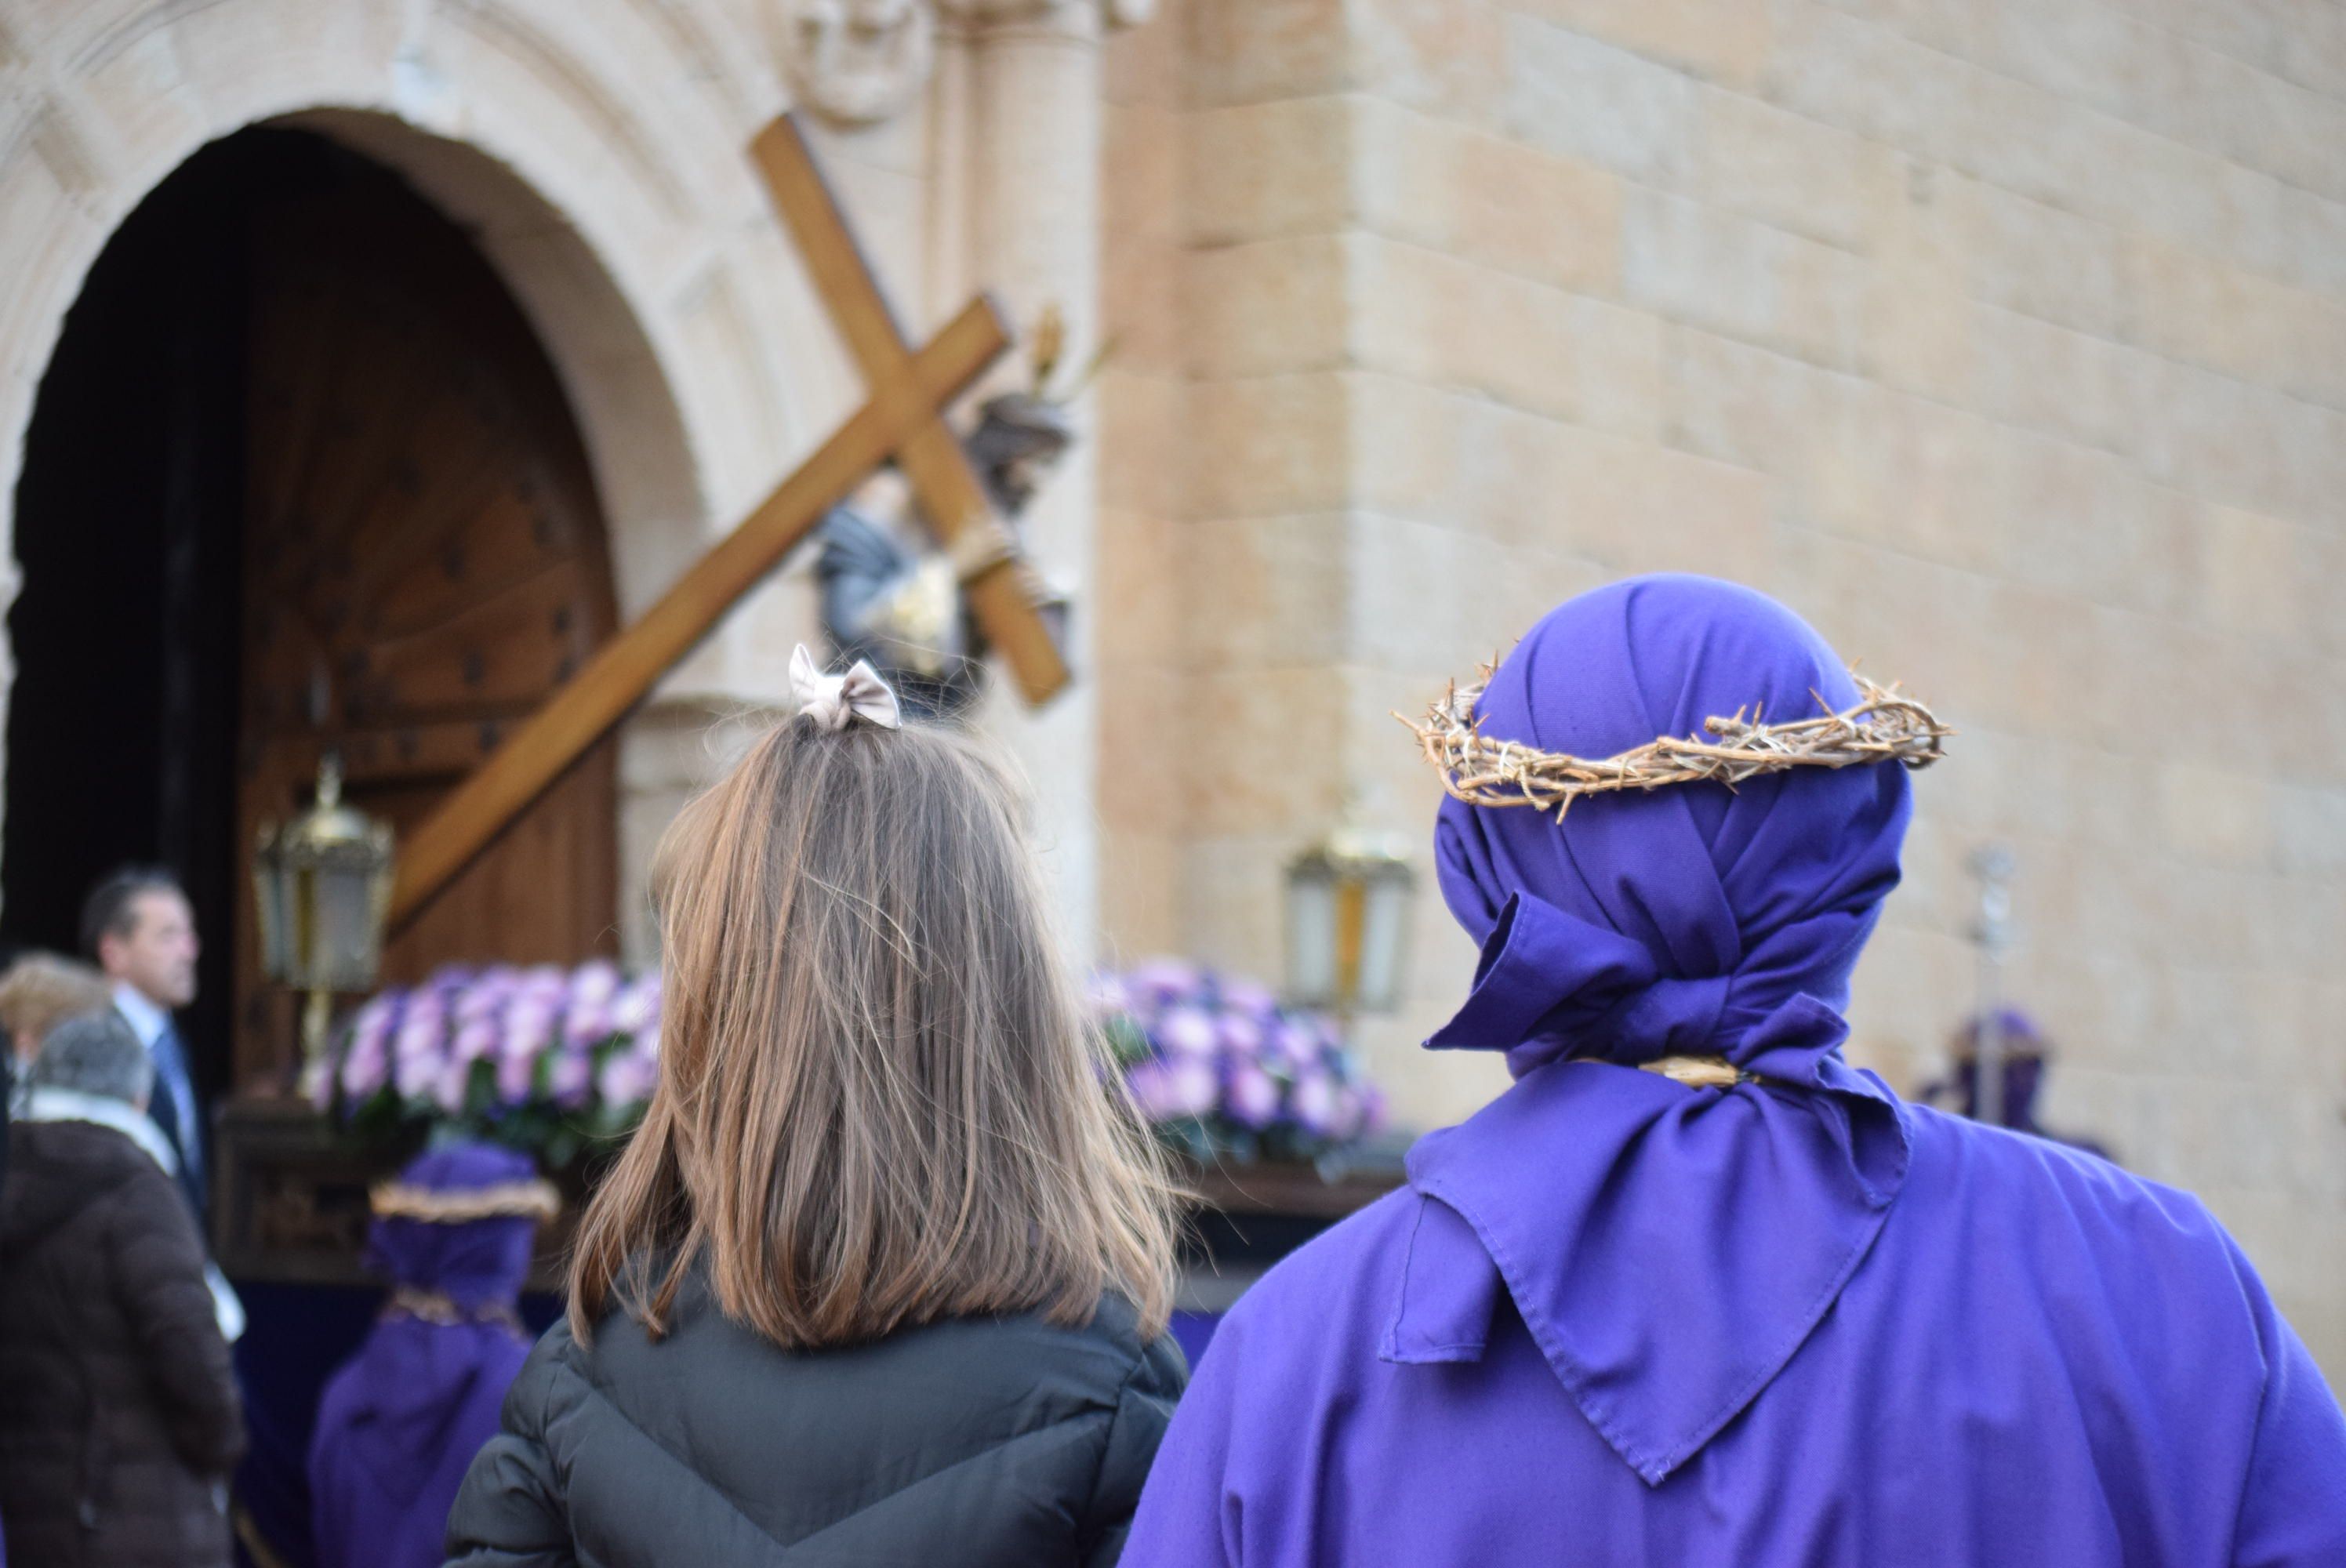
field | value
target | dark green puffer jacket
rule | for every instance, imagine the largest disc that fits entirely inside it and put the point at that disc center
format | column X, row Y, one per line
column 974, row 1441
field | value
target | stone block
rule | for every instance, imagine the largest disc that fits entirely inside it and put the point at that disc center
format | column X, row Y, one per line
column 1743, row 280
column 1630, row 506
column 2250, row 116
column 1137, row 424
column 1918, row 325
column 1430, row 316
column 1255, row 171
column 1571, row 95
column 2311, row 250
column 1407, row 440
column 2308, row 829
column 1137, row 591
column 1723, row 40
column 2040, row 261
column 2212, row 312
column 1266, row 591
column 1230, row 898
column 2252, row 574
column 1140, row 173
column 1448, row 57
column 1245, row 51
column 1144, row 732
column 2216, row 814
column 1269, row 445
column 141, row 95
column 1140, row 894
column 1269, row 307
column 1865, row 77
column 1789, row 171
column 1142, row 306
column 1148, row 63
column 2054, row 380
column 1486, row 199
column 1430, row 595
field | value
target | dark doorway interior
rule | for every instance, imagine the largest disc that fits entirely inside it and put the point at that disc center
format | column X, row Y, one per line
column 299, row 479
column 122, row 721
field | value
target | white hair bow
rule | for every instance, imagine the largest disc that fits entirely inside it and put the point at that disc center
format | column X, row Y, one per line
column 830, row 700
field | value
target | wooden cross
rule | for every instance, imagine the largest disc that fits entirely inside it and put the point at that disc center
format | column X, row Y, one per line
column 902, row 419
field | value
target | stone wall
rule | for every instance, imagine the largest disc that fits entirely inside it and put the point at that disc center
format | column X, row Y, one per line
column 2006, row 338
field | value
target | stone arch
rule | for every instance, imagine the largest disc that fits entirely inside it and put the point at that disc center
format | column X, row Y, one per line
column 596, row 157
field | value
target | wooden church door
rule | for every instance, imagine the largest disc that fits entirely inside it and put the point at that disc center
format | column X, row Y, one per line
column 425, row 562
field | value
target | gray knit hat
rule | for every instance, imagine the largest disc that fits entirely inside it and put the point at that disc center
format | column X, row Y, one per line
column 97, row 1053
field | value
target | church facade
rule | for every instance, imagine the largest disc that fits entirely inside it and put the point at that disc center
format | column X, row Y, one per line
column 2004, row 341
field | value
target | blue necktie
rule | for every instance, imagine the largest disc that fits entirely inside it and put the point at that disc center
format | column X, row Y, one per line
column 186, row 1124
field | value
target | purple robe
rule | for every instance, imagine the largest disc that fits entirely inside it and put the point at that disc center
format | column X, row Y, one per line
column 1614, row 1319
column 400, row 1422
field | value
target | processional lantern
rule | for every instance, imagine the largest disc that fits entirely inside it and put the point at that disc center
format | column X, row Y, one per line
column 324, row 884
column 1348, row 922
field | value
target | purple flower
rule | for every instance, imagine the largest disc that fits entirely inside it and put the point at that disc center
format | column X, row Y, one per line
column 1168, row 1088
column 1194, row 1088
column 1249, row 997
column 529, row 1025
column 628, row 1077
column 1188, row 1031
column 516, row 1077
column 1253, row 1096
column 455, row 1079
column 1317, row 1108
column 1162, row 982
column 475, row 1039
column 573, row 1076
column 636, row 1009
column 1294, row 1043
column 1242, row 1036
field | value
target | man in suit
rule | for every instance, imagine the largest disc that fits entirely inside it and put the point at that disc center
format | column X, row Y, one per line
column 139, row 929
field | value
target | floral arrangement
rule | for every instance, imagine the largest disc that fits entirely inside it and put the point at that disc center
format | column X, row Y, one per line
column 1223, row 1071
column 546, row 1060
column 555, row 1062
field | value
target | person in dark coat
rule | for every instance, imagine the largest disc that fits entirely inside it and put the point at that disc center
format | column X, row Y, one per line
column 118, row 1412
column 884, row 1276
column 400, row 1422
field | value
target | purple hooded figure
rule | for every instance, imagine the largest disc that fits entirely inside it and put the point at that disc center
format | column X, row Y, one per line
column 1616, row 1319
column 400, row 1422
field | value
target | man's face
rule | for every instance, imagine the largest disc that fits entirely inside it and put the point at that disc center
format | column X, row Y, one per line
column 157, row 955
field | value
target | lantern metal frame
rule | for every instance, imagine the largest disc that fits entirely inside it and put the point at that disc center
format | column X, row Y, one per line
column 293, row 865
column 1367, row 880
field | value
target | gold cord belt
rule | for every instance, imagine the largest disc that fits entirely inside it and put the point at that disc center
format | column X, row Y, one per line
column 1698, row 1072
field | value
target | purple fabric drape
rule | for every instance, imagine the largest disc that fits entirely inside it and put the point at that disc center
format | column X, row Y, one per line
column 1616, row 1320
column 400, row 1423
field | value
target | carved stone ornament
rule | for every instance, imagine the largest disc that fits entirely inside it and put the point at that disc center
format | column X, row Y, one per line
column 855, row 61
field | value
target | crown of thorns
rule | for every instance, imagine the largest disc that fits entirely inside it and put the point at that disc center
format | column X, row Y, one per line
column 1884, row 726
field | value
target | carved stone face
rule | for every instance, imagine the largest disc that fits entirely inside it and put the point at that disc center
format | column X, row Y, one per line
column 855, row 60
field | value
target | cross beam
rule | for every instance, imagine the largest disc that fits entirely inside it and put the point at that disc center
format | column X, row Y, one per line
column 624, row 670
column 951, row 498
column 901, row 419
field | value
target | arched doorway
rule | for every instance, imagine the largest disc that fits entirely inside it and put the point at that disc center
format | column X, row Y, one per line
column 300, row 477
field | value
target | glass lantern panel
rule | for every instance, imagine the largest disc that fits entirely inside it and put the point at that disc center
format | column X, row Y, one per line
column 268, row 902
column 1385, row 931
column 1310, row 937
column 346, row 938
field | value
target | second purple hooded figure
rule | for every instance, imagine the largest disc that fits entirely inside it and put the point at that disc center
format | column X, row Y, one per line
column 400, row 1422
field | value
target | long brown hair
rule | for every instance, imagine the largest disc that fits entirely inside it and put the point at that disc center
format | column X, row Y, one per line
column 878, row 1101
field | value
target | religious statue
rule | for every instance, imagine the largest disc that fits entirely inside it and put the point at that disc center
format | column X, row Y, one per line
column 891, row 598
